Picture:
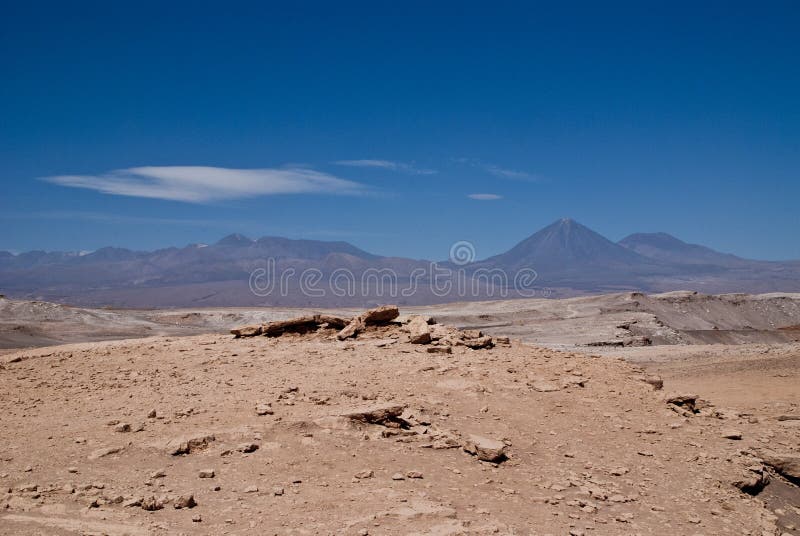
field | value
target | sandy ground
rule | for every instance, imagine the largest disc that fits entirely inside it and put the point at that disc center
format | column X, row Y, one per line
column 607, row 457
column 90, row 429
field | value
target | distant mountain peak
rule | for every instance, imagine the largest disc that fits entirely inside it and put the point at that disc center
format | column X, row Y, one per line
column 235, row 239
column 565, row 244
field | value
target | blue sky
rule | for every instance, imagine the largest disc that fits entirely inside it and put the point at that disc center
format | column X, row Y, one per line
column 400, row 128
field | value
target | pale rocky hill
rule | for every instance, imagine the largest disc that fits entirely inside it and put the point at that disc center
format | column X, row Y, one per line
column 305, row 434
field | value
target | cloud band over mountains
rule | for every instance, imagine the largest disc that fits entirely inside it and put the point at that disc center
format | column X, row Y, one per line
column 202, row 184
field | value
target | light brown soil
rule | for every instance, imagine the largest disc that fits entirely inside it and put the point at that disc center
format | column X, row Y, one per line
column 608, row 457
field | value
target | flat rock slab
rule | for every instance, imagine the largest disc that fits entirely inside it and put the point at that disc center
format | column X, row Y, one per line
column 102, row 453
column 787, row 465
column 376, row 414
column 485, row 449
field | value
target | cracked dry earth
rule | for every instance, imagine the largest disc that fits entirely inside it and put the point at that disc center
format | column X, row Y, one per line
column 304, row 434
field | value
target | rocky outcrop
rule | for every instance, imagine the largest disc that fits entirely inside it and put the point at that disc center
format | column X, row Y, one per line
column 786, row 465
column 300, row 324
column 386, row 322
column 373, row 317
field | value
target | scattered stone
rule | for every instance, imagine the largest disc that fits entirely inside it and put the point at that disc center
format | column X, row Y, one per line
column 197, row 518
column 414, row 474
column 732, row 434
column 277, row 491
column 687, row 402
column 655, row 381
column 152, row 414
column 398, row 476
column 187, row 445
column 478, row 343
column 151, row 504
column 135, row 501
column 251, row 489
column 789, row 417
column 439, row 350
column 247, row 448
column 185, row 501
column 488, row 450
column 366, row 473
column 158, row 474
column 544, row 386
column 206, row 473
column 122, row 427
column 264, row 409
column 102, row 453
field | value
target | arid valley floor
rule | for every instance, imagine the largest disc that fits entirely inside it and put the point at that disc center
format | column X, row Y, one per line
column 161, row 422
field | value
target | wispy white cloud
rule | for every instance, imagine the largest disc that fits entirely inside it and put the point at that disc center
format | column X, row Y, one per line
column 485, row 197
column 70, row 215
column 386, row 164
column 513, row 174
column 498, row 171
column 203, row 184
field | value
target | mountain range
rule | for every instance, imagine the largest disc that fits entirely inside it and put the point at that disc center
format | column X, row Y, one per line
column 563, row 259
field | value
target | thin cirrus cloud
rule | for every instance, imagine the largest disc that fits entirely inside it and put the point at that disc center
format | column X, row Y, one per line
column 203, row 184
column 498, row 171
column 485, row 197
column 505, row 173
column 386, row 164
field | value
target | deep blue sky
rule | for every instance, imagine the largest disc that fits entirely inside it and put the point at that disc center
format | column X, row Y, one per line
column 681, row 117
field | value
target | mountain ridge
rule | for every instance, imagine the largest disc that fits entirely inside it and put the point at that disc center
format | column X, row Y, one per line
column 567, row 257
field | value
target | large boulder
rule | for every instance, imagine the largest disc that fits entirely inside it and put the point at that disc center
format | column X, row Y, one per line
column 301, row 324
column 247, row 331
column 373, row 317
column 418, row 330
column 380, row 315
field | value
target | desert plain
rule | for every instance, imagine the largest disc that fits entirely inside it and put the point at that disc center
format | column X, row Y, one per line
column 626, row 413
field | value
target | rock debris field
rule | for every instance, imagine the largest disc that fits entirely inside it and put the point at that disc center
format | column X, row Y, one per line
column 376, row 424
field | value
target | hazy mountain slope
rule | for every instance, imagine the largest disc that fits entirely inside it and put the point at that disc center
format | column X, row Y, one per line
column 665, row 247
column 568, row 259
